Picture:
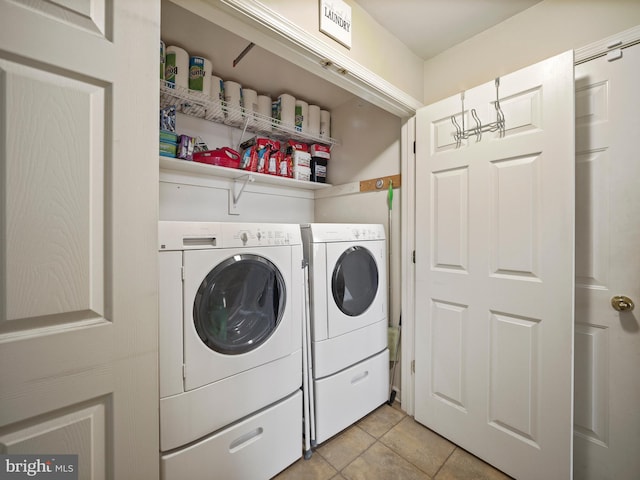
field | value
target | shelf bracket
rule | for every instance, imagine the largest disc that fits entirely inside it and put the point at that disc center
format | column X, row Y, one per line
column 243, row 53
column 234, row 197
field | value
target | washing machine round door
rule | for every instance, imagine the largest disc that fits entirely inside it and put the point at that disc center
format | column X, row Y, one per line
column 355, row 281
column 239, row 304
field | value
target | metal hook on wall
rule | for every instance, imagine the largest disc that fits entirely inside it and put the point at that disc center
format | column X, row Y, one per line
column 243, row 53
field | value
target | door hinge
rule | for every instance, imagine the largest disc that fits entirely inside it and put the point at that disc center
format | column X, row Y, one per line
column 182, row 273
column 413, row 366
column 414, row 147
column 184, row 371
column 413, row 256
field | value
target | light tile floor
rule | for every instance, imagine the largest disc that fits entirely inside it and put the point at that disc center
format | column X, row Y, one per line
column 387, row 444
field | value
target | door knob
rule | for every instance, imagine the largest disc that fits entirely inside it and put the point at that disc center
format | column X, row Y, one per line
column 622, row 303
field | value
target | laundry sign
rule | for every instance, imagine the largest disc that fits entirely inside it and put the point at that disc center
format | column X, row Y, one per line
column 335, row 20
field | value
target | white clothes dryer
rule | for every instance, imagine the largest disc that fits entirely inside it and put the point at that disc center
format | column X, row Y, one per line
column 348, row 306
column 230, row 348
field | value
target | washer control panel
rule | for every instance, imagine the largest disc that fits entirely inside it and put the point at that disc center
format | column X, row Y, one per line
column 249, row 238
column 176, row 235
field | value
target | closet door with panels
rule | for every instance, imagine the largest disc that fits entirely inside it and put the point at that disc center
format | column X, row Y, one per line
column 78, row 229
column 494, row 270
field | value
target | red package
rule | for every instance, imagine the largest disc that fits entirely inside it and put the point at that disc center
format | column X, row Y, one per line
column 293, row 145
column 263, row 156
column 253, row 156
column 224, row 157
column 285, row 167
column 275, row 158
column 249, row 161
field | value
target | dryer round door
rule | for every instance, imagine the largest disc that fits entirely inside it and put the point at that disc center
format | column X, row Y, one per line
column 355, row 280
column 239, row 304
column 356, row 286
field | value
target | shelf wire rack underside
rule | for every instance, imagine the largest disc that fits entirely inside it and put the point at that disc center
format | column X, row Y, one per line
column 197, row 104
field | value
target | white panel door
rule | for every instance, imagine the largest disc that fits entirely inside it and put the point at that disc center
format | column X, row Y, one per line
column 494, row 273
column 78, row 227
column 607, row 384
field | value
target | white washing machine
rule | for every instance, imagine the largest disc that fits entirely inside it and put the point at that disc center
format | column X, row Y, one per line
column 231, row 301
column 348, row 305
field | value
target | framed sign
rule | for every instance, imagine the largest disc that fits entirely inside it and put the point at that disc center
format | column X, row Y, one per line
column 335, row 21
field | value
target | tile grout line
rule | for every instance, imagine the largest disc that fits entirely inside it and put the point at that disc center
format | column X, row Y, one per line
column 376, row 440
column 361, row 453
column 379, row 440
column 445, row 461
column 407, row 459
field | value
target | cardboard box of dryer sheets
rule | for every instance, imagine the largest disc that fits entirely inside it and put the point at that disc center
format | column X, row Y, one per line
column 300, row 160
column 320, row 151
column 301, row 165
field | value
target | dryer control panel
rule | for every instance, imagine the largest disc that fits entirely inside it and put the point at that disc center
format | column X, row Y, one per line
column 367, row 232
column 342, row 232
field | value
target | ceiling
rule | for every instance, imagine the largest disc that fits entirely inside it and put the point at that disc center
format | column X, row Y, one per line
column 428, row 27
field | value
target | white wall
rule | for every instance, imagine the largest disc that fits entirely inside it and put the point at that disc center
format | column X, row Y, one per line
column 546, row 29
column 195, row 198
column 369, row 143
column 372, row 46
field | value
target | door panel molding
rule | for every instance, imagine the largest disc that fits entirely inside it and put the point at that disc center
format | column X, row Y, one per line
column 508, row 352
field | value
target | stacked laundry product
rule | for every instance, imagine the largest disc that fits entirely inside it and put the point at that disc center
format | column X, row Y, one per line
column 191, row 87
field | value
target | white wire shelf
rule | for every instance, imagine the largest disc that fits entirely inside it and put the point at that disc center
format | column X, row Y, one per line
column 199, row 105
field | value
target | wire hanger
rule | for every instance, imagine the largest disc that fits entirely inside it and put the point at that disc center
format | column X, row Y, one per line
column 479, row 129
